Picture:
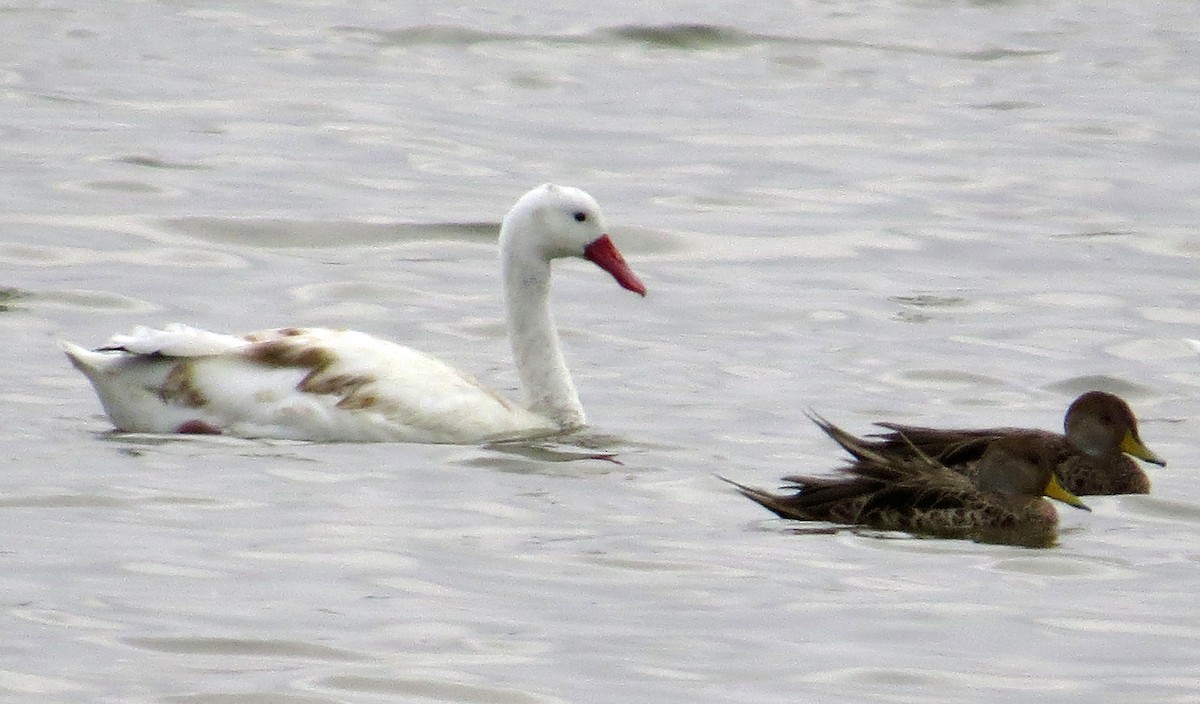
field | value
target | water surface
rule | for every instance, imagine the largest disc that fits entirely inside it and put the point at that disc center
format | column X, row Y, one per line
column 932, row 213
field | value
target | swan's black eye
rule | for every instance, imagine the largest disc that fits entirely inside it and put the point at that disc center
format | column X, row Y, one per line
column 580, row 216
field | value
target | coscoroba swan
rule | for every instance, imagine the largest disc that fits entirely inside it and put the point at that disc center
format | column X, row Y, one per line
column 333, row 385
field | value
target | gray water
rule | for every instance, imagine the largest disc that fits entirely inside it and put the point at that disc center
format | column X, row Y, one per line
column 926, row 212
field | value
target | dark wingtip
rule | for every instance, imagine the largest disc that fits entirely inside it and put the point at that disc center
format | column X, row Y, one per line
column 758, row 496
column 740, row 487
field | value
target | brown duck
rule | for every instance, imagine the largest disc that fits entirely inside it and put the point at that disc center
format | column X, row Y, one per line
column 1090, row 459
column 914, row 493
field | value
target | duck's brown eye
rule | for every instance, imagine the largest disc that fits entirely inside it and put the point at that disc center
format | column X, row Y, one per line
column 580, row 216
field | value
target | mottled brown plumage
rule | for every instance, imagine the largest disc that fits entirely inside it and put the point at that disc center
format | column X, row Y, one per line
column 917, row 494
column 1090, row 459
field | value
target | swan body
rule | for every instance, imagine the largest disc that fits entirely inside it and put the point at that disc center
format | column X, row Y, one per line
column 336, row 385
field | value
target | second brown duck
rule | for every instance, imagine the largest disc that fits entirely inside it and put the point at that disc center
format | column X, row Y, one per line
column 1089, row 459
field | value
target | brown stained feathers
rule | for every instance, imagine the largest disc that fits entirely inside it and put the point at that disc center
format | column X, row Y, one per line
column 178, row 388
column 915, row 493
column 348, row 386
column 276, row 348
column 278, row 352
column 283, row 353
column 1090, row 459
column 273, row 334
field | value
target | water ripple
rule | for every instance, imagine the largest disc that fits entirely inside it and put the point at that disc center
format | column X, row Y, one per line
column 1158, row 508
column 28, row 683
column 65, row 501
column 8, row 298
column 1054, row 564
column 1107, row 624
column 247, row 698
column 935, row 680
column 59, row 255
column 435, row 689
column 678, row 36
column 249, row 647
column 1125, row 389
column 157, row 163
column 90, row 301
column 279, row 233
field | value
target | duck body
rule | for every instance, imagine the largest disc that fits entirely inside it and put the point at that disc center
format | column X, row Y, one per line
column 916, row 494
column 335, row 385
column 1091, row 458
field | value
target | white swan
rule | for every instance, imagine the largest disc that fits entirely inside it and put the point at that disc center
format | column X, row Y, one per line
column 333, row 385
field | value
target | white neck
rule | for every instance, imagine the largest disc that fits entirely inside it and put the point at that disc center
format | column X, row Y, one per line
column 546, row 384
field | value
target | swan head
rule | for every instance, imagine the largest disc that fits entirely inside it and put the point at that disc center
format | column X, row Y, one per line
column 554, row 221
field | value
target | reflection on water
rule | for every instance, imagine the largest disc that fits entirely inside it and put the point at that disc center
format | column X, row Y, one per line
column 9, row 298
column 435, row 690
column 241, row 647
column 678, row 36
column 89, row 300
